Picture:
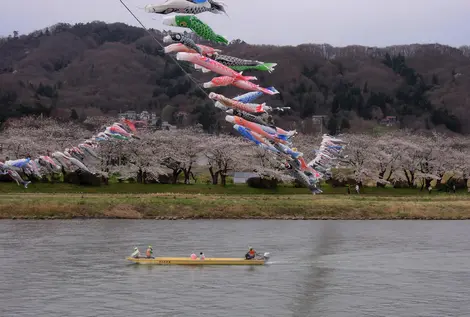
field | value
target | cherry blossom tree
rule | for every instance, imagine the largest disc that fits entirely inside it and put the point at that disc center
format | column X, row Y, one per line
column 443, row 157
column 422, row 158
column 361, row 161
column 458, row 158
column 226, row 153
column 184, row 147
column 410, row 152
column 34, row 136
column 307, row 144
column 267, row 165
column 116, row 158
column 426, row 158
column 387, row 150
column 138, row 157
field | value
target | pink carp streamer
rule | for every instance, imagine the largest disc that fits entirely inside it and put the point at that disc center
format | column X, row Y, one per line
column 181, row 48
column 242, row 84
column 211, row 65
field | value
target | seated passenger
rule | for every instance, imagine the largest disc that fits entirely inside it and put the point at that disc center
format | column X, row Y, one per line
column 149, row 252
column 136, row 253
column 201, row 256
column 193, row 256
column 250, row 254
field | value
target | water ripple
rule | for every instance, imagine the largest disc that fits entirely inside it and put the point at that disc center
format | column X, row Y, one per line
column 318, row 268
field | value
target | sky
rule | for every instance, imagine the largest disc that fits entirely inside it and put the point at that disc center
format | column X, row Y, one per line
column 278, row 22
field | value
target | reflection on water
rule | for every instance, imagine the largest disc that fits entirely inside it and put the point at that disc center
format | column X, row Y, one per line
column 318, row 268
column 308, row 303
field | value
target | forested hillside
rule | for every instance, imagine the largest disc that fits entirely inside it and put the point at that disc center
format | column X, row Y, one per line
column 100, row 68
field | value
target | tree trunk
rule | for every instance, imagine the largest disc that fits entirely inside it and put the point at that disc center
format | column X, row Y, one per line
column 450, row 179
column 187, row 175
column 139, row 176
column 193, row 177
column 381, row 176
column 412, row 179
column 409, row 178
column 223, row 175
column 223, row 179
column 426, row 183
column 214, row 176
column 175, row 173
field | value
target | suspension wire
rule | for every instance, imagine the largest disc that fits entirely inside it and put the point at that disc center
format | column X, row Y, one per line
column 162, row 46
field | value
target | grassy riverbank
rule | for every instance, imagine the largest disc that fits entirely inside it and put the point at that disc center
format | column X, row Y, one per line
column 218, row 206
column 230, row 189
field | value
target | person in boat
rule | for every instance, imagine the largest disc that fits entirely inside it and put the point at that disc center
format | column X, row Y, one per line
column 149, row 252
column 250, row 254
column 136, row 253
column 193, row 256
column 201, row 256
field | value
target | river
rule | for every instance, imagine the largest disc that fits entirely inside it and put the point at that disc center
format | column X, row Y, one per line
column 318, row 268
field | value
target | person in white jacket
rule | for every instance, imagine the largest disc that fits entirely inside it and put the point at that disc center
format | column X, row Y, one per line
column 136, row 253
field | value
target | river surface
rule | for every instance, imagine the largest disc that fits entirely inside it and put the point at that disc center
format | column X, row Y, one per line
column 318, row 268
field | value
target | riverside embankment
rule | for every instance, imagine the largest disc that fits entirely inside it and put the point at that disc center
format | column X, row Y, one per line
column 219, row 206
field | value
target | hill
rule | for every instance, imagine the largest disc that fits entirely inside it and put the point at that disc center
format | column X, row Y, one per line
column 98, row 68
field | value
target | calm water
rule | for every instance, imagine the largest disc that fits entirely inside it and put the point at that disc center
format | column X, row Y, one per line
column 318, row 268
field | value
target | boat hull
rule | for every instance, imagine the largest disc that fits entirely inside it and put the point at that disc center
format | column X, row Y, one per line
column 189, row 261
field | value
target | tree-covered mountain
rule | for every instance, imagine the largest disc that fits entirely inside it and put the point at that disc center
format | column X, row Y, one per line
column 97, row 68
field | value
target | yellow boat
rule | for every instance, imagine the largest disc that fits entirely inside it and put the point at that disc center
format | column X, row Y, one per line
column 207, row 261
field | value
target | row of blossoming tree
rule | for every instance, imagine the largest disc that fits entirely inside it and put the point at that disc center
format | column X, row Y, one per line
column 400, row 158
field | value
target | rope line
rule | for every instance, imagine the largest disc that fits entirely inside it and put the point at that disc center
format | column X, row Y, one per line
column 162, row 46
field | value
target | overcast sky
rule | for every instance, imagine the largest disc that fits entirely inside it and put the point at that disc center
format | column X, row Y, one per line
column 279, row 22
